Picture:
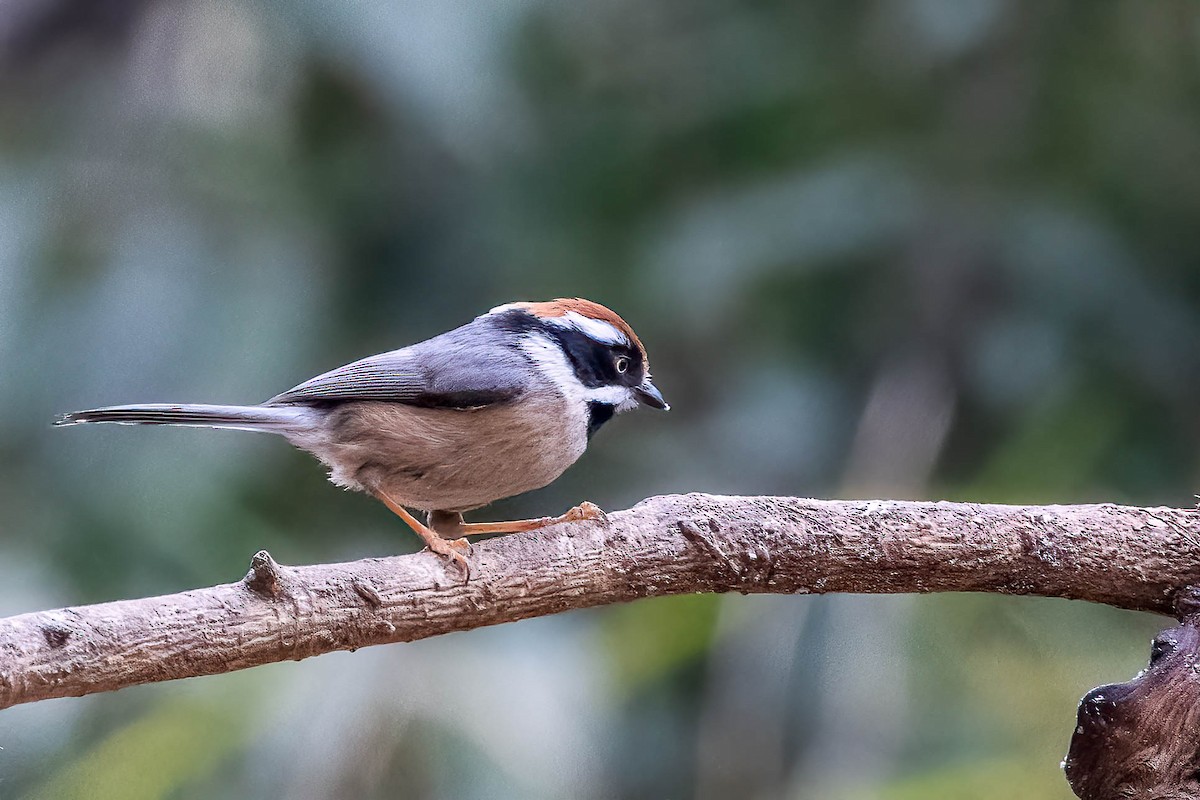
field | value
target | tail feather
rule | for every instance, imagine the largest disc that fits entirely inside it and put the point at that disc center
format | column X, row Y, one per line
column 276, row 419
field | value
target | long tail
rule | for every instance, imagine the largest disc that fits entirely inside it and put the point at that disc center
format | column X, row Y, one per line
column 272, row 419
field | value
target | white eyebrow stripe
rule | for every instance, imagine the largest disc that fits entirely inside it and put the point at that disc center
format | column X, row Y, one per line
column 597, row 329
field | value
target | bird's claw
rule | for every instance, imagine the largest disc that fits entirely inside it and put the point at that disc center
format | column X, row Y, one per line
column 584, row 511
column 454, row 550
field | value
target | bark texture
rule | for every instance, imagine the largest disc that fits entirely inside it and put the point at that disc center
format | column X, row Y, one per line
column 1141, row 739
column 1132, row 558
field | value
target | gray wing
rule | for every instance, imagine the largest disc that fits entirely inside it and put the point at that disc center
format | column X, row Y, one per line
column 464, row 368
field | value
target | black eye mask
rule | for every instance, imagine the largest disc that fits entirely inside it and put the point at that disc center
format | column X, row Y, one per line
column 595, row 362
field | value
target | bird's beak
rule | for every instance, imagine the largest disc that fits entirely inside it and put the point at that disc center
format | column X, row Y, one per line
column 649, row 394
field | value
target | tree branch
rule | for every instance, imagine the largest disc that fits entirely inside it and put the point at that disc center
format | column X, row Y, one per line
column 1142, row 738
column 1131, row 558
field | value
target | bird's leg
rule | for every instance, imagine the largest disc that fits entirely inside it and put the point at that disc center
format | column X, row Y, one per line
column 446, row 524
column 583, row 511
column 452, row 549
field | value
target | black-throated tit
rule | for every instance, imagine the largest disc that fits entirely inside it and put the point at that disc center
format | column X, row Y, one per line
column 497, row 407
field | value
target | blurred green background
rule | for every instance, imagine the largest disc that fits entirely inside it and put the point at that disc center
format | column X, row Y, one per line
column 900, row 248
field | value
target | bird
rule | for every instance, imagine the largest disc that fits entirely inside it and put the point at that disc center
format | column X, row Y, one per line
column 494, row 408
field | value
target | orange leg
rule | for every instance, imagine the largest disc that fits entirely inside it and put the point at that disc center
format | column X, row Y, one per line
column 452, row 549
column 583, row 511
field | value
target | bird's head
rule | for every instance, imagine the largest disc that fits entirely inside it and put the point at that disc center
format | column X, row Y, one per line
column 588, row 351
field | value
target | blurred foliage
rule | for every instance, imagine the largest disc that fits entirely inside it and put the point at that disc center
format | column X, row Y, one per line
column 648, row 642
column 151, row 757
column 908, row 248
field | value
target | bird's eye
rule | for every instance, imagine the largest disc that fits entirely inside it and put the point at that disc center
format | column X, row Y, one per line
column 622, row 365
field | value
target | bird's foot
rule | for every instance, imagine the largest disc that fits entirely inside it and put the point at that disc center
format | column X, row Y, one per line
column 584, row 511
column 454, row 550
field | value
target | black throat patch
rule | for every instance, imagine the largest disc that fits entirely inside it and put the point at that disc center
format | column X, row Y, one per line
column 598, row 414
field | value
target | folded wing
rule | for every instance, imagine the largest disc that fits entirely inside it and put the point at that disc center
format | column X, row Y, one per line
column 455, row 370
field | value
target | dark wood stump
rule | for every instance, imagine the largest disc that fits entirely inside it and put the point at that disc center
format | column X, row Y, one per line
column 1141, row 739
